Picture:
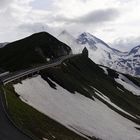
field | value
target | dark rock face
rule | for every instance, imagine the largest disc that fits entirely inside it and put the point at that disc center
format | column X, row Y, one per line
column 85, row 52
column 32, row 50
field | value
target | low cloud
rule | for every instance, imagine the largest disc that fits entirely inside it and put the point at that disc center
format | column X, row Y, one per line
column 94, row 17
column 126, row 44
column 31, row 28
column 34, row 27
column 5, row 2
column 99, row 16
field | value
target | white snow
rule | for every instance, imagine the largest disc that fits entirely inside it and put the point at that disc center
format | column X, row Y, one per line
column 101, row 54
column 48, row 59
column 127, row 84
column 105, row 70
column 45, row 139
column 120, row 89
column 90, row 117
column 105, row 98
column 64, row 64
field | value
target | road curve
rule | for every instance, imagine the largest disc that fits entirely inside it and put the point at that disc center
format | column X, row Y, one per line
column 18, row 74
column 7, row 130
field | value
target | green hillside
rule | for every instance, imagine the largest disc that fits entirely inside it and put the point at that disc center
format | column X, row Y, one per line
column 77, row 74
column 31, row 51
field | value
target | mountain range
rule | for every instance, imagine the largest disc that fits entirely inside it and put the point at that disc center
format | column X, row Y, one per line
column 76, row 99
column 101, row 53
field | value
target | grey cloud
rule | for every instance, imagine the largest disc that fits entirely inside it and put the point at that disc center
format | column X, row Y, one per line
column 125, row 44
column 5, row 3
column 34, row 27
column 37, row 27
column 98, row 16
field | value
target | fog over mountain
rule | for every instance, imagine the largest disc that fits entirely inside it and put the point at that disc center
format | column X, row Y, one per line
column 101, row 53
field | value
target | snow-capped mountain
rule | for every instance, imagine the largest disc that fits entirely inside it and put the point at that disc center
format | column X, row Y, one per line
column 101, row 53
column 72, row 98
column 129, row 63
column 98, row 51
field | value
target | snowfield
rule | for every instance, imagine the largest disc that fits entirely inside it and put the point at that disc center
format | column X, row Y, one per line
column 127, row 84
column 75, row 111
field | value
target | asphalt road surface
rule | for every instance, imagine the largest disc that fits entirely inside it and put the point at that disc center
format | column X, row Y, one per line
column 7, row 130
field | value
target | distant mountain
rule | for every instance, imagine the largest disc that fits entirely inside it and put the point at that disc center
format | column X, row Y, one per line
column 30, row 51
column 92, row 41
column 68, row 39
column 101, row 53
column 129, row 63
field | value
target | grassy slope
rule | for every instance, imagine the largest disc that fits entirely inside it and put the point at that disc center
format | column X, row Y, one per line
column 30, row 51
column 34, row 122
column 80, row 72
column 75, row 74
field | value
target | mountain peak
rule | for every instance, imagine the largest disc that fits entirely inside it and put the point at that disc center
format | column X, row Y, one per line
column 41, row 34
column 135, row 51
column 66, row 37
column 65, row 33
column 87, row 34
column 87, row 38
column 92, row 41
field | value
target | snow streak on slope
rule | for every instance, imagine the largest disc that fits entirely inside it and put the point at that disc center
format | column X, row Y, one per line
column 98, row 93
column 84, row 115
column 105, row 70
column 127, row 84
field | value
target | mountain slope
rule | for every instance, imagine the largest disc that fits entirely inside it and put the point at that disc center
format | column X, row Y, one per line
column 32, row 50
column 101, row 53
column 3, row 44
column 129, row 63
column 90, row 100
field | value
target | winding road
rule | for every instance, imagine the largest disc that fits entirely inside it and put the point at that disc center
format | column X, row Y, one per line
column 7, row 130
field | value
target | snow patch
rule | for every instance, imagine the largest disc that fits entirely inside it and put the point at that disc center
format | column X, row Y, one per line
column 105, row 98
column 89, row 117
column 127, row 84
column 120, row 89
column 45, row 139
column 105, row 70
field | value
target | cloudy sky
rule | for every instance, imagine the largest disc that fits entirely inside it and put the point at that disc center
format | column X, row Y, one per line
column 117, row 22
